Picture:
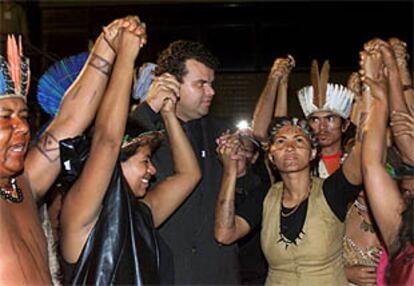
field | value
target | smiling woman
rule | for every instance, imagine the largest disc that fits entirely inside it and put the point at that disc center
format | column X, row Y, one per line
column 108, row 220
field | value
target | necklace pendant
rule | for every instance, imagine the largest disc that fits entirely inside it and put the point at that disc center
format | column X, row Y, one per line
column 12, row 192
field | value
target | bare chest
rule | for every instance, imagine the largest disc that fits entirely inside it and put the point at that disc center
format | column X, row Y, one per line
column 22, row 244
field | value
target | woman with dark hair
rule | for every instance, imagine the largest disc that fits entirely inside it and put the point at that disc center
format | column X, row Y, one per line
column 108, row 220
column 303, row 216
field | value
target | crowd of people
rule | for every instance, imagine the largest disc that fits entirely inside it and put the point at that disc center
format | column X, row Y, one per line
column 167, row 195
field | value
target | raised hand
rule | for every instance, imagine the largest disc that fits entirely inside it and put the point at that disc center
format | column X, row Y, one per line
column 282, row 67
column 377, row 86
column 130, row 43
column 371, row 61
column 400, row 51
column 354, row 84
column 401, row 56
column 168, row 107
column 112, row 31
column 163, row 87
column 228, row 148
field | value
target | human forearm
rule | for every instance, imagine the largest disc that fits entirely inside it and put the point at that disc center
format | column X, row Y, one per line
column 85, row 198
column 263, row 113
column 397, row 103
column 225, row 225
column 383, row 195
column 85, row 94
column 112, row 115
column 281, row 107
column 168, row 195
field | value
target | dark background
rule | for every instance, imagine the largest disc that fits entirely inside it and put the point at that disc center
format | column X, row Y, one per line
column 245, row 35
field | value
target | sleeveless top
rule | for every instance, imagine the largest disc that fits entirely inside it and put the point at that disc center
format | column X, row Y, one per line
column 356, row 255
column 316, row 259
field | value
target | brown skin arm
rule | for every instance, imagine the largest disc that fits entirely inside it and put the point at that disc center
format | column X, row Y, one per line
column 228, row 226
column 354, row 84
column 371, row 66
column 273, row 100
column 400, row 51
column 382, row 192
column 170, row 193
column 83, row 202
column 396, row 97
column 76, row 112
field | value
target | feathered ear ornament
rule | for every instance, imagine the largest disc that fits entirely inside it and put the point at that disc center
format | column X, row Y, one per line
column 15, row 71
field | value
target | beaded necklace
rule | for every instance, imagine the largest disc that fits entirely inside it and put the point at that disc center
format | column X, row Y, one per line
column 361, row 208
column 11, row 192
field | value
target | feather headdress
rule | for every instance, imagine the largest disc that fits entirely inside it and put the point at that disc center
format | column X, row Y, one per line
column 14, row 71
column 324, row 96
column 57, row 79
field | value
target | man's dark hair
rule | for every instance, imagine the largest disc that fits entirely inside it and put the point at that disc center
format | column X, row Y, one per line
column 173, row 58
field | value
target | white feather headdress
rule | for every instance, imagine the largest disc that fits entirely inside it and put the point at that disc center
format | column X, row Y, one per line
column 324, row 96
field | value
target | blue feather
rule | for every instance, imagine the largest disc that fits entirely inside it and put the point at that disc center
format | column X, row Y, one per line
column 3, row 86
column 57, row 79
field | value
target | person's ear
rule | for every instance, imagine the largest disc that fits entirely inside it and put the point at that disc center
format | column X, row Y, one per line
column 345, row 125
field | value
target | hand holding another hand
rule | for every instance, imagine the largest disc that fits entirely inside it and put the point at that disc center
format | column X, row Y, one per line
column 164, row 87
column 282, row 67
column 111, row 32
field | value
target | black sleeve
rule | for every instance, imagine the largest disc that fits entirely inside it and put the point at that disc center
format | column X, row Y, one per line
column 73, row 155
column 155, row 117
column 252, row 207
column 144, row 116
column 339, row 193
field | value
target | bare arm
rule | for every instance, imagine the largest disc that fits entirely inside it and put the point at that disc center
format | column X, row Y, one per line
column 76, row 112
column 170, row 193
column 400, row 51
column 371, row 66
column 281, row 107
column 265, row 108
column 383, row 195
column 354, row 84
column 83, row 202
column 228, row 226
column 396, row 99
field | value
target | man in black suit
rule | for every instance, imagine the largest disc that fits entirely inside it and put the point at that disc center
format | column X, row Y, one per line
column 185, row 73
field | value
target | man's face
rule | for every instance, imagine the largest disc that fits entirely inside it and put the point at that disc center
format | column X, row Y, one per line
column 328, row 128
column 196, row 91
column 14, row 135
column 291, row 150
